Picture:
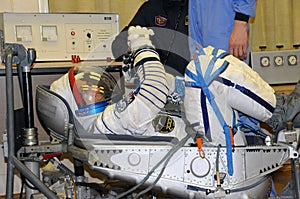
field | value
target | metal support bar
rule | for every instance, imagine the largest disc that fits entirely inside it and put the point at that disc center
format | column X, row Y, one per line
column 296, row 176
column 10, row 124
column 33, row 179
column 17, row 54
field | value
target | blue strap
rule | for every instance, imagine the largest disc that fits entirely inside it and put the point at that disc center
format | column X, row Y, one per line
column 221, row 56
column 220, row 70
column 92, row 109
column 234, row 125
column 209, row 69
column 249, row 125
column 205, row 116
column 215, row 52
column 200, row 82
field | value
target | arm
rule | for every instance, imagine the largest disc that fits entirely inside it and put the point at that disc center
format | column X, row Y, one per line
column 238, row 44
column 135, row 112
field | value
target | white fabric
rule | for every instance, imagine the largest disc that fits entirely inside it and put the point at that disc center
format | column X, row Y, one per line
column 62, row 87
column 138, row 37
column 135, row 112
column 227, row 98
column 137, row 117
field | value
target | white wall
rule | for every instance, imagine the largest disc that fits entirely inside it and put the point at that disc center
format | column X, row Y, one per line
column 19, row 6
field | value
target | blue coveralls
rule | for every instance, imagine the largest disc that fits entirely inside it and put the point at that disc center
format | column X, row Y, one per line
column 211, row 21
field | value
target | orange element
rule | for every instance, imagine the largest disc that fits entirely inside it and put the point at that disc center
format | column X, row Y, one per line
column 199, row 145
column 232, row 138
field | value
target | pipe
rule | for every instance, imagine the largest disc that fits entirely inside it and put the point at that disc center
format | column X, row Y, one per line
column 296, row 176
column 28, row 99
column 33, row 179
column 10, row 124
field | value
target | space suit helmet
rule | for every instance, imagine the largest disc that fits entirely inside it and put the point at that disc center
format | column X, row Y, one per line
column 93, row 89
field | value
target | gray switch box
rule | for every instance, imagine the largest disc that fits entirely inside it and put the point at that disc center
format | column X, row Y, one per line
column 56, row 37
column 277, row 67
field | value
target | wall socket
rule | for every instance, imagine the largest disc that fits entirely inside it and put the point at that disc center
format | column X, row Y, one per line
column 277, row 67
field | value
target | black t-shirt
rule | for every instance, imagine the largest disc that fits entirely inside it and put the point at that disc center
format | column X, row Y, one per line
column 168, row 19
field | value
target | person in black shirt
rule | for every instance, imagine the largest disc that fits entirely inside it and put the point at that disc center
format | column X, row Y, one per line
column 169, row 21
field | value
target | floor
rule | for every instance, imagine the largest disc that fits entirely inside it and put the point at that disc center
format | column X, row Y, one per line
column 281, row 178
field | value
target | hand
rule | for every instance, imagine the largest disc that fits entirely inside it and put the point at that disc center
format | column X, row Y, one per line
column 139, row 37
column 238, row 44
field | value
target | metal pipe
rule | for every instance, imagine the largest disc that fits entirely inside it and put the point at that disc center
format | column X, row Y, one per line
column 296, row 176
column 34, row 167
column 28, row 99
column 30, row 134
column 10, row 124
column 33, row 179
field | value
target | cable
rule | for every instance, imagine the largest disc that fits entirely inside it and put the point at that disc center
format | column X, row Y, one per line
column 166, row 158
column 176, row 147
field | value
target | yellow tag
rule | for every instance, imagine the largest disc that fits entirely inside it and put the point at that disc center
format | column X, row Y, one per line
column 186, row 22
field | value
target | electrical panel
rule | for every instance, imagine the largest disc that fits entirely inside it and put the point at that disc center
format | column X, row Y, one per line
column 277, row 67
column 58, row 37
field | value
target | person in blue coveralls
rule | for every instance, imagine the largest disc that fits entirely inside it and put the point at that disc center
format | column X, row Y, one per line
column 222, row 24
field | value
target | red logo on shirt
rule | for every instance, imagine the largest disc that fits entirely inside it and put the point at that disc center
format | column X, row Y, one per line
column 160, row 20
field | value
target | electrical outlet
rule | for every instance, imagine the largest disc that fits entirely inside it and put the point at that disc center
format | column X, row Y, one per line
column 265, row 61
column 277, row 67
column 278, row 60
column 292, row 60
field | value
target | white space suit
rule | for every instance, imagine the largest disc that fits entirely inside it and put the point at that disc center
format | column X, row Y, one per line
column 134, row 113
column 218, row 86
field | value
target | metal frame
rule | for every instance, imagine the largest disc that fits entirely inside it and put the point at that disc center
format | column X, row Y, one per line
column 17, row 54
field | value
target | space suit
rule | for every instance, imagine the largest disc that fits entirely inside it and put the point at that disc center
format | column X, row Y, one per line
column 213, row 79
column 220, row 91
column 134, row 112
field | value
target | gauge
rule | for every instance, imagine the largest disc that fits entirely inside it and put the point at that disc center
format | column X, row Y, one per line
column 49, row 33
column 23, row 33
column 265, row 61
column 278, row 60
column 292, row 60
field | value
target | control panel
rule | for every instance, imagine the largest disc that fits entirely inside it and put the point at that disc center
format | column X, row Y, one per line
column 277, row 67
column 58, row 37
